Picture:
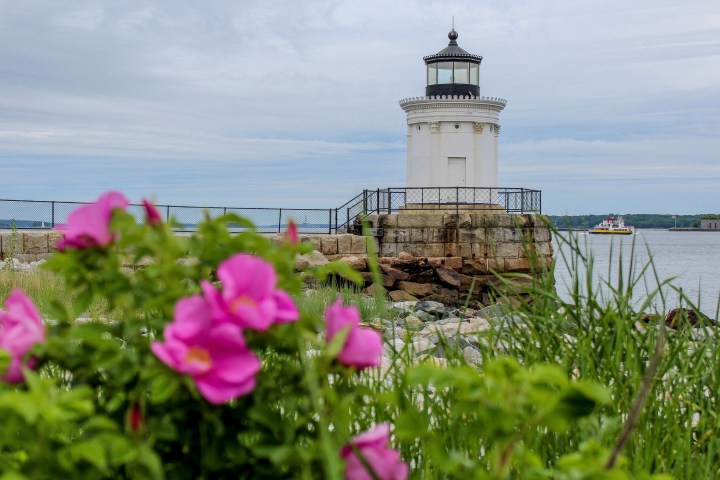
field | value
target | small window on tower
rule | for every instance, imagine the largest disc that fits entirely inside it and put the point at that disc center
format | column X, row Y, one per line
column 474, row 74
column 432, row 74
column 445, row 72
column 461, row 73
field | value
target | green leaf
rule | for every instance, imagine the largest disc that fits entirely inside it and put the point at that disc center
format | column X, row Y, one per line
column 5, row 360
column 59, row 311
column 335, row 346
column 82, row 301
column 162, row 387
column 148, row 464
column 581, row 399
column 20, row 404
column 91, row 452
column 13, row 476
column 411, row 425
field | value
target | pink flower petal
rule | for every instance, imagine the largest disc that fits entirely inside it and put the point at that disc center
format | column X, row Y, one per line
column 384, row 461
column 363, row 348
column 286, row 309
column 152, row 215
column 21, row 328
column 246, row 275
column 88, row 226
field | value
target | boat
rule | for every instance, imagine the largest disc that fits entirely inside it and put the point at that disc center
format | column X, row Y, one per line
column 612, row 226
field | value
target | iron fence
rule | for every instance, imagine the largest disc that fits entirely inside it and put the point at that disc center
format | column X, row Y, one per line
column 48, row 214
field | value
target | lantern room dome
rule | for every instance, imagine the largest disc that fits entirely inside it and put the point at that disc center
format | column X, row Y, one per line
column 453, row 71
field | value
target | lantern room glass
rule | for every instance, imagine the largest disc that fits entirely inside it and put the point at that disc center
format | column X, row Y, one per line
column 460, row 74
column 444, row 72
column 431, row 74
column 474, row 74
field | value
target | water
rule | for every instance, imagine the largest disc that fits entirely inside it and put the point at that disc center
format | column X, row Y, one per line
column 692, row 258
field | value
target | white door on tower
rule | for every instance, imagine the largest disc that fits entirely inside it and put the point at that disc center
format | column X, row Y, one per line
column 456, row 171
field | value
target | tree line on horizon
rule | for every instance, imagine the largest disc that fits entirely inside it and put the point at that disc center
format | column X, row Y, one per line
column 637, row 220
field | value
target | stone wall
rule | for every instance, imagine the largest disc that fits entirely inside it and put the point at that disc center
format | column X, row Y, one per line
column 28, row 246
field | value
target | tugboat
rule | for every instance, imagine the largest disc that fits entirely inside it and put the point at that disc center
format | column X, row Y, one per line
column 612, row 226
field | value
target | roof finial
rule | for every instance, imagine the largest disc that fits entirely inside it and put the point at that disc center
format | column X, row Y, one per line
column 453, row 35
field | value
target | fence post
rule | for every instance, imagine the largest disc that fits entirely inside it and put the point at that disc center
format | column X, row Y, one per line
column 52, row 214
column 540, row 203
column 377, row 200
column 330, row 222
column 439, row 196
column 364, row 202
column 279, row 220
column 389, row 201
column 167, row 212
column 457, row 200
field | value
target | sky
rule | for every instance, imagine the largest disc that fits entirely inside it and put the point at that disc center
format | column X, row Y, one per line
column 613, row 106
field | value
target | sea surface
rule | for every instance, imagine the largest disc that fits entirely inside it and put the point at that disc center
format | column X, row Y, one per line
column 691, row 259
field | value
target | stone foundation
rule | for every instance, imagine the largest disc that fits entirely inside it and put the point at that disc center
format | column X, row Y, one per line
column 440, row 255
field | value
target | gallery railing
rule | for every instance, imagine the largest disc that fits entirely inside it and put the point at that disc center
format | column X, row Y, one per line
column 48, row 214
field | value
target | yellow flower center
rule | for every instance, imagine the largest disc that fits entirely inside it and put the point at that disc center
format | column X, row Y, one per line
column 242, row 301
column 199, row 355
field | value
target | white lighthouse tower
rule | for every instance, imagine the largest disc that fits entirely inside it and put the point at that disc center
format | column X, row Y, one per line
column 452, row 132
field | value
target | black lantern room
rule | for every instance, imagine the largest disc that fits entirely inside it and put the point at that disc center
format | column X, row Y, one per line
column 453, row 71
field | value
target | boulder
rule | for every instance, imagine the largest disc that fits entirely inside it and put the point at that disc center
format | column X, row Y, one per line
column 355, row 263
column 416, row 289
column 310, row 260
column 402, row 296
column 448, row 276
column 394, row 272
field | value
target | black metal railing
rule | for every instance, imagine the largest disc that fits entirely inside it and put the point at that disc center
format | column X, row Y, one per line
column 47, row 214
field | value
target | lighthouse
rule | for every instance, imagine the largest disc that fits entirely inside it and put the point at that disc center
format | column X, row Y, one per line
column 452, row 131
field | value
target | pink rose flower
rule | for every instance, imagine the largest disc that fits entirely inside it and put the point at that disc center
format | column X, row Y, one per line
column 89, row 226
column 373, row 445
column 214, row 355
column 363, row 346
column 152, row 215
column 20, row 329
column 291, row 235
column 249, row 298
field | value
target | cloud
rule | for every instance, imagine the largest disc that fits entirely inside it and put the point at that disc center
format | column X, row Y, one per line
column 266, row 102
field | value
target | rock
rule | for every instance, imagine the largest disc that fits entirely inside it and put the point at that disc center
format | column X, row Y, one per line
column 455, row 263
column 677, row 317
column 394, row 272
column 395, row 345
column 448, row 276
column 311, row 260
column 470, row 326
column 421, row 346
column 416, row 289
column 433, row 308
column 301, row 263
column 355, row 263
column 492, row 312
column 472, row 355
column 447, row 320
column 405, row 256
column 404, row 306
column 387, row 280
column 413, row 322
column 402, row 296
column 371, row 290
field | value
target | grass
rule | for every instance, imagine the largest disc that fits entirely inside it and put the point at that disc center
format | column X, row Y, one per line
column 599, row 334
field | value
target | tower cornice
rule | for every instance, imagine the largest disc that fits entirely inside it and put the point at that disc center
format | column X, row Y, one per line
column 453, row 101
